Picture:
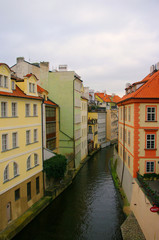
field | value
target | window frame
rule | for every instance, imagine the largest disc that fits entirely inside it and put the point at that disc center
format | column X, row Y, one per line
column 27, row 109
column 5, row 145
column 28, row 137
column 150, row 141
column 29, row 163
column 150, row 162
column 151, row 113
column 14, row 109
column 35, row 110
column 14, row 144
column 15, row 169
column 4, row 109
column 17, row 194
column 5, row 81
column 6, row 174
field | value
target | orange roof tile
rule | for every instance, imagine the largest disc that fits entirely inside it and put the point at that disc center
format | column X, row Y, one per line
column 148, row 90
column 18, row 93
column 41, row 90
column 50, row 102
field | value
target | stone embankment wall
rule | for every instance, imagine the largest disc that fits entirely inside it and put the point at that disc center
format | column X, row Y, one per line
column 127, row 178
column 140, row 205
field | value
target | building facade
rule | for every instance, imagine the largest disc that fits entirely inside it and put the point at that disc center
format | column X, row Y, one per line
column 21, row 146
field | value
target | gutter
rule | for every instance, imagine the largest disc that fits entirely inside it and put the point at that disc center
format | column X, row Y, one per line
column 42, row 122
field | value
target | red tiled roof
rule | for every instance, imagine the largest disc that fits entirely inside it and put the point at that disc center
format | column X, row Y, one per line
column 108, row 98
column 18, row 93
column 50, row 103
column 30, row 74
column 41, row 90
column 148, row 90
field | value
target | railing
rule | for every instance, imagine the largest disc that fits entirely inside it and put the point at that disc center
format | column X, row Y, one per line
column 148, row 191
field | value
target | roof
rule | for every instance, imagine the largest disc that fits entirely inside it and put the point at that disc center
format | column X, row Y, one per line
column 30, row 74
column 108, row 98
column 49, row 102
column 148, row 90
column 41, row 90
column 18, row 93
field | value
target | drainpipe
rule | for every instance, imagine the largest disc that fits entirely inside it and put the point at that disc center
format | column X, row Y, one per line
column 123, row 145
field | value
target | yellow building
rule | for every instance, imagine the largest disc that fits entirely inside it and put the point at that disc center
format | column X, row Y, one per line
column 21, row 183
column 92, row 130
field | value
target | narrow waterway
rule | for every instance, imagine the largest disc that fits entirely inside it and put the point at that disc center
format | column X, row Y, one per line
column 88, row 210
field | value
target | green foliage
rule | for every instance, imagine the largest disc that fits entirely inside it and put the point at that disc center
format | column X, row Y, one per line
column 55, row 167
column 151, row 175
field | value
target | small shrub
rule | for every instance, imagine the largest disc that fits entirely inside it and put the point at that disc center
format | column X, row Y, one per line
column 55, row 167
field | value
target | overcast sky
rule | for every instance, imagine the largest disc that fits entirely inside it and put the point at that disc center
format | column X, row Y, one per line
column 107, row 43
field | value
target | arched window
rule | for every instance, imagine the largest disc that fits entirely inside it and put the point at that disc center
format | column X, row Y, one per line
column 28, row 163
column 35, row 159
column 6, row 173
column 15, row 169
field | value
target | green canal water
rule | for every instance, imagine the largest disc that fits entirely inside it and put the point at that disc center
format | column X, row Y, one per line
column 88, row 210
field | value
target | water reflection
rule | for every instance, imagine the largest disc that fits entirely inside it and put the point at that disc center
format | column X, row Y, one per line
column 88, row 210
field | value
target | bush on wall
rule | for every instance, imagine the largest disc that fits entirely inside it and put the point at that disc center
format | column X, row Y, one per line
column 55, row 167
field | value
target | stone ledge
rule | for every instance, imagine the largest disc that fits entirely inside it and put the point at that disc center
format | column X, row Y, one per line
column 131, row 230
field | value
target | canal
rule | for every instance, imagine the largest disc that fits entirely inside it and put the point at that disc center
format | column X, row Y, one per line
column 88, row 210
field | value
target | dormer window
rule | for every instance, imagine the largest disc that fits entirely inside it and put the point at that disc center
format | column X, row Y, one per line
column 32, row 87
column 13, row 85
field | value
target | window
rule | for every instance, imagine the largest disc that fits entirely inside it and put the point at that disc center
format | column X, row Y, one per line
column 35, row 135
column 27, row 110
column 3, row 109
column 129, row 137
column 6, row 173
column 28, row 191
column 90, row 129
column 37, row 185
column 51, row 144
column 35, row 159
column 35, row 110
column 150, row 141
column 150, row 167
column 125, row 113
column 129, row 114
column 125, row 136
column 5, row 82
column 28, row 137
column 28, row 163
column 128, row 160
column 30, row 88
column 121, row 133
column 14, row 109
column 13, row 85
column 15, row 139
column 17, row 194
column 151, row 114
column 33, row 88
column 1, row 81
column 15, row 169
column 4, row 142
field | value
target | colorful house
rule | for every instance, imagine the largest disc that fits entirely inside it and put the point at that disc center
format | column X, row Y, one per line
column 92, row 131
column 84, row 117
column 138, row 128
column 21, row 182
column 110, row 102
column 50, row 112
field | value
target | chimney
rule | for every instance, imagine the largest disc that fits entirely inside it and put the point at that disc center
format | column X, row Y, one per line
column 20, row 59
column 62, row 68
column 152, row 68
